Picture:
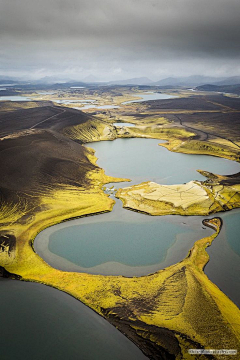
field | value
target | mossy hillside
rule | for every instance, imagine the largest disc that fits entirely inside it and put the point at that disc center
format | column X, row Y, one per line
column 224, row 142
column 92, row 130
column 157, row 132
column 204, row 148
column 6, row 106
column 96, row 130
column 152, row 120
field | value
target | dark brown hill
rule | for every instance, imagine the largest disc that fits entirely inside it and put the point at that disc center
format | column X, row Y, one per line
column 45, row 117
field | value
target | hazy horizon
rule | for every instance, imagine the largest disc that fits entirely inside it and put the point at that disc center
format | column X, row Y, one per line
column 116, row 41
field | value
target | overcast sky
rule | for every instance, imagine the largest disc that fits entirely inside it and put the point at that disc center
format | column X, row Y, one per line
column 118, row 39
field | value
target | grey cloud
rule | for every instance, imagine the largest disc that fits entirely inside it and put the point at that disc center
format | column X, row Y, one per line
column 75, row 31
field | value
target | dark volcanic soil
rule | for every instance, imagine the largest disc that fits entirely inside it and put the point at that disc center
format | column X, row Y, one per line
column 45, row 117
column 42, row 158
column 35, row 158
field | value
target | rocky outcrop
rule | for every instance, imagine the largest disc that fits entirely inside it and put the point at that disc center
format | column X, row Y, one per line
column 5, row 274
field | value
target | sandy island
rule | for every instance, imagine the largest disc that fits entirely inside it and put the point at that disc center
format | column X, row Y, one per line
column 193, row 198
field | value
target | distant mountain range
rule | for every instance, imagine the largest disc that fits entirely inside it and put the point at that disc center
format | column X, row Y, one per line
column 133, row 81
column 51, row 80
column 193, row 80
column 197, row 80
column 90, row 79
column 233, row 80
column 184, row 81
column 7, row 80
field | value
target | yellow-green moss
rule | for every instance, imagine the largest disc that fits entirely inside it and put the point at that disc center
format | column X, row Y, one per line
column 91, row 130
column 202, row 147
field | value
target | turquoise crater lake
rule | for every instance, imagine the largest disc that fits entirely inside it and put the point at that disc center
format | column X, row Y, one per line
column 124, row 242
column 129, row 243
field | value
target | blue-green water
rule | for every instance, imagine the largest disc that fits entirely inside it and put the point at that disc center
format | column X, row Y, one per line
column 46, row 92
column 150, row 96
column 63, row 101
column 98, row 107
column 121, row 242
column 39, row 322
column 124, row 242
column 224, row 265
column 14, row 98
column 232, row 221
column 144, row 160
column 131, row 244
column 123, row 124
